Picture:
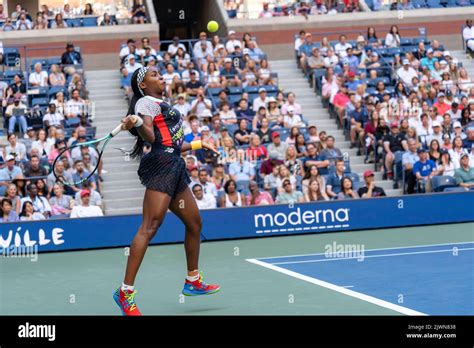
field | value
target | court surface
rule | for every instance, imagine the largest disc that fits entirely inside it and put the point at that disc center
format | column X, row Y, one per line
column 407, row 271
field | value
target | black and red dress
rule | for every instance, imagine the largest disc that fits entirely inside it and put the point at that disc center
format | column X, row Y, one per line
column 163, row 169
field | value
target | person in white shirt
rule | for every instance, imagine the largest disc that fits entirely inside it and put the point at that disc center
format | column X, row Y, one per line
column 95, row 198
column 261, row 100
column 169, row 75
column 182, row 105
column 207, row 186
column 202, row 37
column 203, row 200
column 53, row 117
column 331, row 60
column 291, row 102
column 131, row 65
column 232, row 42
column 84, row 209
column 393, row 37
column 125, row 51
column 406, row 73
column 299, row 40
column 38, row 78
column 173, row 47
column 342, row 46
column 468, row 34
column 75, row 106
column 292, row 120
column 437, row 133
column 40, row 204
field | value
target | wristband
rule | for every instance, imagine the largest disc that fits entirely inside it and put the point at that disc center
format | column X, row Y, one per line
column 196, row 145
column 139, row 122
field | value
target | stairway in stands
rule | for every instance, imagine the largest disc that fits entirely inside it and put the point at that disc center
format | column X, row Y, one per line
column 291, row 79
column 121, row 189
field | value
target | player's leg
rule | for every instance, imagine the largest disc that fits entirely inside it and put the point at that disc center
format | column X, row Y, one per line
column 185, row 208
column 155, row 206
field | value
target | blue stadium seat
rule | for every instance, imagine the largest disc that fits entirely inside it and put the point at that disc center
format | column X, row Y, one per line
column 235, row 90
column 434, row 4
column 252, row 89
column 406, row 41
column 55, row 89
column 232, row 13
column 271, row 88
column 40, row 101
column 440, row 183
column 89, row 22
column 454, row 189
column 214, row 91
column 11, row 56
column 234, row 99
column 74, row 22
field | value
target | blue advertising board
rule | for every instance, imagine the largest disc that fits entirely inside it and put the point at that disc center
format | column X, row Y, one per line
column 232, row 223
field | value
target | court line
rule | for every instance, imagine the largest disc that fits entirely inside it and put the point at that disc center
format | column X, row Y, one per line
column 405, row 247
column 342, row 290
column 366, row 257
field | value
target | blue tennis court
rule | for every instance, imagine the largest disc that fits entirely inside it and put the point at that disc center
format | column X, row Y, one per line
column 416, row 280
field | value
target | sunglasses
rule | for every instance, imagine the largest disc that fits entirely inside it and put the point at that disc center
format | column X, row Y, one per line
column 286, row 184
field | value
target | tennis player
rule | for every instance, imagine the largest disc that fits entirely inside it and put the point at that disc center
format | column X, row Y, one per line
column 163, row 173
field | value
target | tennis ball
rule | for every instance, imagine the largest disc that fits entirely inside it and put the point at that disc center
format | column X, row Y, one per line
column 212, row 26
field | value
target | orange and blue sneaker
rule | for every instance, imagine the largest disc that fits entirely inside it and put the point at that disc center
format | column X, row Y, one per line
column 199, row 287
column 126, row 302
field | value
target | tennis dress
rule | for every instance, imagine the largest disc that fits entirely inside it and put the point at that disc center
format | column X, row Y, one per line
column 163, row 169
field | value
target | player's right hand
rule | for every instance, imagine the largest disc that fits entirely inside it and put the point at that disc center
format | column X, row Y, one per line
column 129, row 122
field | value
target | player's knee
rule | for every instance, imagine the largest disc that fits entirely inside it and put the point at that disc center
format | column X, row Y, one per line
column 195, row 227
column 151, row 228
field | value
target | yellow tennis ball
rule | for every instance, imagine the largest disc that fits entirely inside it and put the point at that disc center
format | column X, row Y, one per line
column 212, row 26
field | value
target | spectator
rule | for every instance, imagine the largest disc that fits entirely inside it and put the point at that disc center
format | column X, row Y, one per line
column 70, row 58
column 23, row 23
column 14, row 113
column 39, row 77
column 393, row 37
column 291, row 119
column 203, row 200
column 85, row 209
column 468, row 34
column 266, row 12
column 370, row 190
column 207, row 185
column 314, row 192
column 75, row 107
column 277, row 148
column 347, row 189
column 18, row 86
column 2, row 14
column 268, row 165
column 464, row 175
column 15, row 148
column 53, row 117
column 200, row 104
column 270, row 180
column 316, row 159
column 288, row 195
column 192, row 87
column 219, row 177
column 333, row 185
column 61, row 204
column 424, row 170
column 406, row 73
column 232, row 197
column 457, row 151
column 12, row 194
column 95, row 197
column 8, row 25
column 195, row 134
column 131, row 65
column 446, row 165
column 138, row 12
column 80, row 174
column 393, row 143
column 34, row 168
column 232, row 42
column 28, row 213
column 257, row 197
column 256, row 151
column 107, row 20
column 8, row 214
column 241, row 170
column 58, row 22
column 242, row 135
column 429, row 60
column 56, row 77
column 40, row 204
column 40, row 22
column 341, row 47
column 174, row 45
column 284, row 173
column 331, row 153
column 408, row 161
column 291, row 101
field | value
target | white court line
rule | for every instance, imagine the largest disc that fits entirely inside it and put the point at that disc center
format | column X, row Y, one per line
column 406, row 247
column 339, row 289
column 365, row 257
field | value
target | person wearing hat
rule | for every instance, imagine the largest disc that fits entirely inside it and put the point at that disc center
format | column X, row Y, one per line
column 193, row 85
column 424, row 170
column 458, row 131
column 232, row 42
column 370, row 190
column 261, row 100
column 291, row 119
column 373, row 63
column 429, row 60
column 306, row 48
column 16, row 113
column 393, row 142
column 277, row 147
column 85, row 209
column 437, row 133
column 230, row 73
column 71, row 56
column 464, row 175
column 315, row 61
column 406, row 73
column 131, row 63
column 441, row 105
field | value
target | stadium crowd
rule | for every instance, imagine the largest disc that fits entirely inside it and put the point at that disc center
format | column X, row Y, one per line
column 67, row 16
column 43, row 112
column 404, row 102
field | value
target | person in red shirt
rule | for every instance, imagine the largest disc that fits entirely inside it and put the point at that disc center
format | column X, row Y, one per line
column 441, row 105
column 256, row 151
column 340, row 101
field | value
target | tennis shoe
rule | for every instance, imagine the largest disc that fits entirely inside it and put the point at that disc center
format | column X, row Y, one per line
column 126, row 302
column 199, row 287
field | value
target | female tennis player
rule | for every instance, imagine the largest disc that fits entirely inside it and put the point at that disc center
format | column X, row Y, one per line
column 163, row 173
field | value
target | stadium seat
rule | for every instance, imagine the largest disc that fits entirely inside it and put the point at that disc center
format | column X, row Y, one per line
column 40, row 101
column 214, row 91
column 243, row 186
column 455, row 189
column 235, row 90
column 74, row 22
column 252, row 89
column 54, row 60
column 440, row 183
column 9, row 74
column 89, row 22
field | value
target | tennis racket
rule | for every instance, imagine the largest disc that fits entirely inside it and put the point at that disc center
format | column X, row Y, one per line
column 104, row 140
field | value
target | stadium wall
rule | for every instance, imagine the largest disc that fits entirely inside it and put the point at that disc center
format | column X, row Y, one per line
column 250, row 222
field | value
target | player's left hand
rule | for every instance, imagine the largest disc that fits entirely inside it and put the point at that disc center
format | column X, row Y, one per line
column 209, row 146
